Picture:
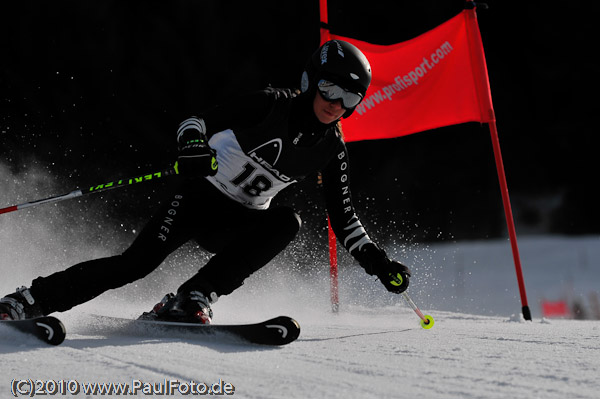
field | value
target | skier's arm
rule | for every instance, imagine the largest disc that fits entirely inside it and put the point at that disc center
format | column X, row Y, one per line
column 195, row 157
column 349, row 230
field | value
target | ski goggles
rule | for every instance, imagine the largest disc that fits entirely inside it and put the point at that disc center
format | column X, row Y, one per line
column 332, row 92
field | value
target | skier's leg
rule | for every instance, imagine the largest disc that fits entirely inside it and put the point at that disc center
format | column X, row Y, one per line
column 167, row 230
column 254, row 241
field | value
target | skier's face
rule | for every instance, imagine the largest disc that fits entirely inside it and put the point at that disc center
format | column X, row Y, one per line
column 327, row 111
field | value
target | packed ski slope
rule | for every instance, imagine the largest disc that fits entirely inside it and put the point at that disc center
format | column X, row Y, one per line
column 357, row 354
column 373, row 348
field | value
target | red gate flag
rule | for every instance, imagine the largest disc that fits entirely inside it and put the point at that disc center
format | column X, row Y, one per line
column 436, row 79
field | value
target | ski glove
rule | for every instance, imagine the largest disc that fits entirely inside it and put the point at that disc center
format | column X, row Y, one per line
column 195, row 158
column 393, row 275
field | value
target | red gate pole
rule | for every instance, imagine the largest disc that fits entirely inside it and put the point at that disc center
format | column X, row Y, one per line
column 509, row 219
column 333, row 269
column 487, row 112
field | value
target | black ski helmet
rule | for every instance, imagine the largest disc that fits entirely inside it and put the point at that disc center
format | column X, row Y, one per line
column 341, row 63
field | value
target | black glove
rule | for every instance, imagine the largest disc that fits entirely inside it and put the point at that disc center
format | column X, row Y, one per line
column 393, row 275
column 196, row 158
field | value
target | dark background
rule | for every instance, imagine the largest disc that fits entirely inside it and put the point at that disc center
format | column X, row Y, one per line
column 94, row 90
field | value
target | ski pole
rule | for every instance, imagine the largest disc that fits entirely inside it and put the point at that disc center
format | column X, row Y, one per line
column 93, row 189
column 426, row 320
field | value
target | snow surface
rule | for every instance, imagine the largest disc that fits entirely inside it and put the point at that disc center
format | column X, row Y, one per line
column 374, row 347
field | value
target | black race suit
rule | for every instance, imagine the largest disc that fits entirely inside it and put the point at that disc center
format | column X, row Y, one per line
column 265, row 141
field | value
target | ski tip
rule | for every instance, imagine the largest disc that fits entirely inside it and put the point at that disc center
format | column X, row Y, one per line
column 54, row 329
column 48, row 329
column 287, row 329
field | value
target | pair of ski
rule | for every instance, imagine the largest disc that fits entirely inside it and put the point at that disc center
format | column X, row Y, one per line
column 277, row 331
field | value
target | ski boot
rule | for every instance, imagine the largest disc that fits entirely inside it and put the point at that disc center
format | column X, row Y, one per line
column 193, row 307
column 153, row 314
column 19, row 306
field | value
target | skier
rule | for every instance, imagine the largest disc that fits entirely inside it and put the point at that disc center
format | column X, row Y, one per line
column 234, row 159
